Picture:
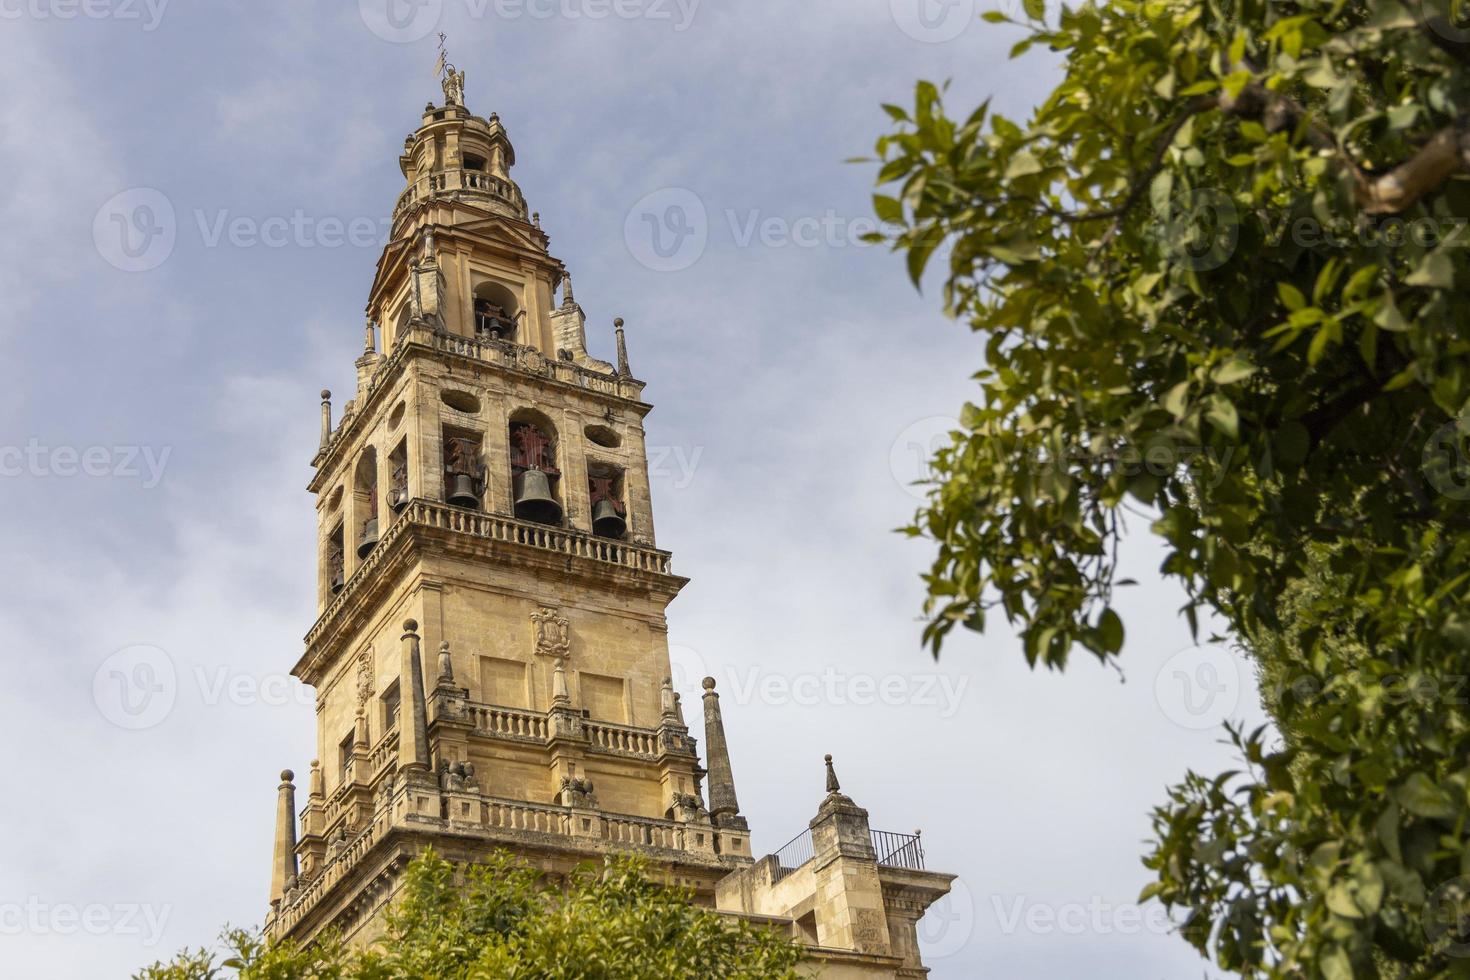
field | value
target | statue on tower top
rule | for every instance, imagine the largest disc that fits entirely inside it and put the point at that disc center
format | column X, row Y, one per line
column 452, row 80
column 453, row 86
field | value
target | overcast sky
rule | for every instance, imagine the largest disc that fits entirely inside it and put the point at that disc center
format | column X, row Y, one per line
column 158, row 396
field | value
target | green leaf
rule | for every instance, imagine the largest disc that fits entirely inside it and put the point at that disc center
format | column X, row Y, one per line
column 1023, row 164
column 1221, row 413
column 1420, row 796
column 888, row 209
column 1110, row 627
column 1235, row 369
column 1434, row 270
column 1292, row 297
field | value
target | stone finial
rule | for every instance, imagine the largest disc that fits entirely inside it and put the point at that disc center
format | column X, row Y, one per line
column 567, row 299
column 360, row 730
column 679, row 707
column 446, row 665
column 724, row 808
column 370, row 338
column 536, row 219
column 413, row 740
column 326, row 417
column 314, row 781
column 623, row 371
column 833, row 786
column 666, row 700
column 283, row 862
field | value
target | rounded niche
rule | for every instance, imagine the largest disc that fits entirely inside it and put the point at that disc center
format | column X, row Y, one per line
column 461, row 401
column 603, row 436
column 395, row 418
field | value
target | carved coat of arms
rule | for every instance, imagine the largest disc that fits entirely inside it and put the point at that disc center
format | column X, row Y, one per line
column 553, row 632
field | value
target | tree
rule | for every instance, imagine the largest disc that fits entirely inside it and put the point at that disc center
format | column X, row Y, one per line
column 501, row 921
column 1217, row 270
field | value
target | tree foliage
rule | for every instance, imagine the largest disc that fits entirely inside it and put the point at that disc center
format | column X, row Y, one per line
column 502, row 921
column 1223, row 279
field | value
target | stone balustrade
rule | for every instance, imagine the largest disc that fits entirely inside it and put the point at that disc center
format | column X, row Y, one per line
column 494, row 527
column 449, row 181
column 492, row 720
column 529, row 360
column 621, row 739
column 500, row 819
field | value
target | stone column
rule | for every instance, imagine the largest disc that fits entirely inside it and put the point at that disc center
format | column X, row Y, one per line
column 413, row 738
column 283, row 867
column 723, row 806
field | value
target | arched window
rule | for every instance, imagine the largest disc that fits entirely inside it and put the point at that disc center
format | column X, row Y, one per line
column 365, row 490
column 605, row 493
column 496, row 312
column 533, row 467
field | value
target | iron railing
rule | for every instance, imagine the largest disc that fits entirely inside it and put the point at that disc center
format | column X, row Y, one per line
column 891, row 850
column 794, row 854
column 899, row 850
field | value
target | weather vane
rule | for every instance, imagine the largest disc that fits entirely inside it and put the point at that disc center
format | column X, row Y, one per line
column 452, row 80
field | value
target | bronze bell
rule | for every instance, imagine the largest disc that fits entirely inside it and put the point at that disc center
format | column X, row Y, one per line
column 397, row 500
column 534, row 501
column 337, row 582
column 606, row 521
column 369, row 538
column 462, row 491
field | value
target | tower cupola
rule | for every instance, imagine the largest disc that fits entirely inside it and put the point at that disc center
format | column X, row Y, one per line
column 459, row 155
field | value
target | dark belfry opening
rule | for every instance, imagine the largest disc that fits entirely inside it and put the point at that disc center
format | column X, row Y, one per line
column 495, row 312
column 398, row 478
column 464, row 472
column 535, row 475
column 605, row 491
column 365, row 488
column 472, row 162
column 336, row 561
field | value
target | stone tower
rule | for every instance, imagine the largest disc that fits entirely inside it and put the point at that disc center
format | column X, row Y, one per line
column 490, row 656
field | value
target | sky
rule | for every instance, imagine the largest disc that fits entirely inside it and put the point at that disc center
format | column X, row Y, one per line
column 195, row 195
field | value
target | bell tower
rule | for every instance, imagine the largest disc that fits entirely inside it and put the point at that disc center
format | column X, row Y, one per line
column 490, row 655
